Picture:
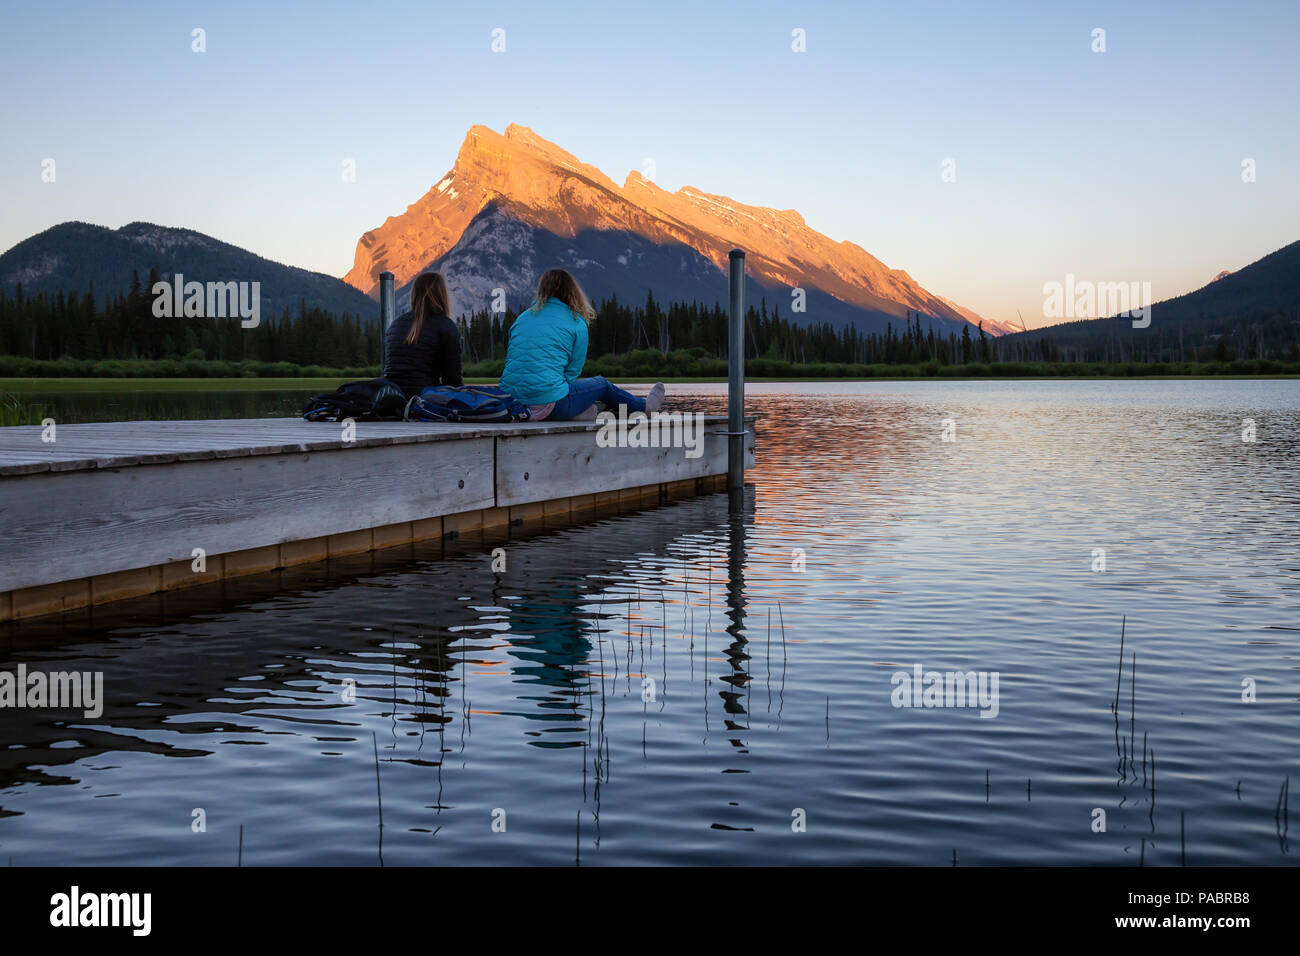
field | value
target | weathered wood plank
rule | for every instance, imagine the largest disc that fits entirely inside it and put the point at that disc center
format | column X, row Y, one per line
column 60, row 526
column 543, row 467
column 122, row 444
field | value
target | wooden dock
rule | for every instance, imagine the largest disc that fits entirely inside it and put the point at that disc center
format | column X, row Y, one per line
column 116, row 510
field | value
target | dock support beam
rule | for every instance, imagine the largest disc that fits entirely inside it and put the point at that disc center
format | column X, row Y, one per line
column 736, row 376
column 385, row 316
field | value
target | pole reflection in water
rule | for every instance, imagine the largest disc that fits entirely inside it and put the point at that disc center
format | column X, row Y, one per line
column 737, row 677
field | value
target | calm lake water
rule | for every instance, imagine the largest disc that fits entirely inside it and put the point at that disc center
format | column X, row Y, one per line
column 772, row 636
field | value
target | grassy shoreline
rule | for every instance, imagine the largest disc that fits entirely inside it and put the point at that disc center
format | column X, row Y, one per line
column 640, row 366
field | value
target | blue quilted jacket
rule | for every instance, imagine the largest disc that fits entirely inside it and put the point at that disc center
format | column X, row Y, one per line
column 545, row 352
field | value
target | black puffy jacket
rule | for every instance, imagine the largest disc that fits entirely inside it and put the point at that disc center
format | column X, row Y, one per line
column 433, row 360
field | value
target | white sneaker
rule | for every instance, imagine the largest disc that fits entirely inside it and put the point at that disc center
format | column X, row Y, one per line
column 655, row 398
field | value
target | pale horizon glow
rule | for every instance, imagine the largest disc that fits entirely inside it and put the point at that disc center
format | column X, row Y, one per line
column 1122, row 166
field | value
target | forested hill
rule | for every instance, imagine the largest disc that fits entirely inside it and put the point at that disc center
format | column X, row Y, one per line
column 1248, row 314
column 76, row 256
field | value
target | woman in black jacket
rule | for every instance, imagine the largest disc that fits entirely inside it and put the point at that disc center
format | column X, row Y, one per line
column 422, row 346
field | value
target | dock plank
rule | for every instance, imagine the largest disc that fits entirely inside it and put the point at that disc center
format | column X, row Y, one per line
column 77, row 525
column 80, row 446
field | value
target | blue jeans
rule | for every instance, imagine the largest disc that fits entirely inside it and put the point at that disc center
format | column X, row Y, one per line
column 585, row 392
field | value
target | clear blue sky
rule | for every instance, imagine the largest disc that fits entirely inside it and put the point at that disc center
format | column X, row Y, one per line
column 1123, row 165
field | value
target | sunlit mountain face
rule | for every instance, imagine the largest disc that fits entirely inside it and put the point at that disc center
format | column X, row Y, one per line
column 516, row 204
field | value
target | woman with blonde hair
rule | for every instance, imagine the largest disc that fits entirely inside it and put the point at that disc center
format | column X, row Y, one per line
column 422, row 345
column 546, row 351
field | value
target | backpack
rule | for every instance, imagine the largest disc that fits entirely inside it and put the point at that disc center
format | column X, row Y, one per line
column 375, row 400
column 468, row 403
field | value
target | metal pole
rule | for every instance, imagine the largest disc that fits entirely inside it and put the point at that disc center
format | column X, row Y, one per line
column 385, row 316
column 736, row 375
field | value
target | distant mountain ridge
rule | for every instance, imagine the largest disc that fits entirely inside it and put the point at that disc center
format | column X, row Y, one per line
column 72, row 256
column 514, row 204
column 1257, row 304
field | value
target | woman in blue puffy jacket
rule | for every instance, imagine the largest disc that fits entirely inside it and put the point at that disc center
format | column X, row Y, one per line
column 546, row 351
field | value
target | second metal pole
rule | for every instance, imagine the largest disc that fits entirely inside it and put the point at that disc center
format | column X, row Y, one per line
column 736, row 375
column 385, row 316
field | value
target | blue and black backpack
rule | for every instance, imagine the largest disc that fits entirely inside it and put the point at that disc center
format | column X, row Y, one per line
column 468, row 403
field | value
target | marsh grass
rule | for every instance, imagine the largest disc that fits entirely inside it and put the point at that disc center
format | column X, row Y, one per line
column 14, row 411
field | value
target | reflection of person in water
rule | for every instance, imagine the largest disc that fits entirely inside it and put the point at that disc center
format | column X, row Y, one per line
column 547, row 637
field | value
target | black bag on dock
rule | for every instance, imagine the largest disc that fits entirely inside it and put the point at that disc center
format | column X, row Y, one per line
column 375, row 400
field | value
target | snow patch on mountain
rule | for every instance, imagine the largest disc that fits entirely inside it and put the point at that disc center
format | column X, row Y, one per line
column 41, row 265
column 495, row 252
column 162, row 238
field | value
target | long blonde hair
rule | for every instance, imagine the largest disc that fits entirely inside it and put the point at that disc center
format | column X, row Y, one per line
column 558, row 284
column 429, row 296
